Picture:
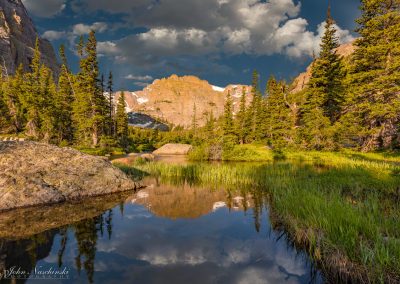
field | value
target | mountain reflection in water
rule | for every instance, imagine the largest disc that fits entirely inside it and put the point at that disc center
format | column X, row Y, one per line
column 163, row 234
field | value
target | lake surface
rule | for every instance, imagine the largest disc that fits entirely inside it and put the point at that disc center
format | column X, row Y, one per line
column 163, row 234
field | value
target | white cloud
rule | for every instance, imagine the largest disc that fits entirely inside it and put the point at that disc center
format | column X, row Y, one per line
column 83, row 29
column 145, row 78
column 53, row 35
column 44, row 8
column 211, row 27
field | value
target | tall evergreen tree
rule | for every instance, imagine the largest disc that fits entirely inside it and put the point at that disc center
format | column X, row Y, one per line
column 278, row 119
column 228, row 125
column 324, row 96
column 210, row 127
column 33, row 99
column 121, row 119
column 110, row 103
column 90, row 105
column 14, row 96
column 194, row 119
column 5, row 120
column 255, row 111
column 48, row 109
column 63, row 101
column 241, row 119
column 374, row 100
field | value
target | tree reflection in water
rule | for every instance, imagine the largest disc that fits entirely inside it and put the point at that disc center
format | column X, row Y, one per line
column 27, row 252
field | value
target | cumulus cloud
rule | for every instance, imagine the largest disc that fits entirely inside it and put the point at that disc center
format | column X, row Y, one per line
column 209, row 27
column 44, row 8
column 83, row 29
column 191, row 38
column 53, row 35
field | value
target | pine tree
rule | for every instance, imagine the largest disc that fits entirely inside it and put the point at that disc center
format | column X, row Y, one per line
column 241, row 119
column 255, row 111
column 98, row 101
column 5, row 119
column 110, row 103
column 63, row 102
column 14, row 96
column 90, row 107
column 278, row 119
column 48, row 111
column 210, row 127
column 324, row 96
column 33, row 97
column 373, row 102
column 194, row 119
column 228, row 125
column 121, row 118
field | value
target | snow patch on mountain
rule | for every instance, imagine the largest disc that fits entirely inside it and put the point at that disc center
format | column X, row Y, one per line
column 218, row 89
column 142, row 100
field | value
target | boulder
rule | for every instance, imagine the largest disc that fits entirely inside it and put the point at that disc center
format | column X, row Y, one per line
column 174, row 149
column 34, row 174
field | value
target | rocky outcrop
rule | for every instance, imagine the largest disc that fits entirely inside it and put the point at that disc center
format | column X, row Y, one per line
column 174, row 149
column 17, row 39
column 302, row 80
column 174, row 99
column 36, row 174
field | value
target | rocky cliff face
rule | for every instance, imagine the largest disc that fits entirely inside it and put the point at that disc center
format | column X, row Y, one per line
column 302, row 80
column 173, row 99
column 17, row 39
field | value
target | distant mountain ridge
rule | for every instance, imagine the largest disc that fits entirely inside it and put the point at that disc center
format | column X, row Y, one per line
column 17, row 39
column 176, row 99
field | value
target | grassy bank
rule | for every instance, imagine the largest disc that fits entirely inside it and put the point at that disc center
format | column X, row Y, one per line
column 343, row 208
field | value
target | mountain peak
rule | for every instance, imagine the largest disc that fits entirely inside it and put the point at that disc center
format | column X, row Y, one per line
column 173, row 99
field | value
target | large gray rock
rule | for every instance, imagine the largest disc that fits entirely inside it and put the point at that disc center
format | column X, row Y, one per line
column 174, row 149
column 17, row 39
column 36, row 174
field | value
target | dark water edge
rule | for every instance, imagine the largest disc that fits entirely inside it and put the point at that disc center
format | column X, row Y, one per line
column 164, row 234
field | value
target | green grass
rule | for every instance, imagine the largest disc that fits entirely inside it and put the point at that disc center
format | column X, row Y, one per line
column 101, row 151
column 342, row 207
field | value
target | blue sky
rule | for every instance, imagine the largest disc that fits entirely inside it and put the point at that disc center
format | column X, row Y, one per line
column 221, row 41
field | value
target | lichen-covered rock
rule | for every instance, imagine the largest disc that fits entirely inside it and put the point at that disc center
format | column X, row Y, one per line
column 36, row 174
column 17, row 39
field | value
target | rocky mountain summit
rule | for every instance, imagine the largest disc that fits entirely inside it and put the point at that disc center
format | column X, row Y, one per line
column 39, row 174
column 176, row 99
column 17, row 39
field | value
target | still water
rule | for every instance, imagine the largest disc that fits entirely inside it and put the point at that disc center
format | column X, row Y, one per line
column 162, row 234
